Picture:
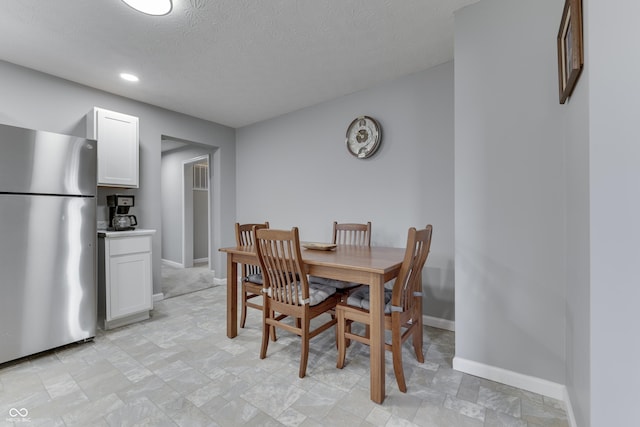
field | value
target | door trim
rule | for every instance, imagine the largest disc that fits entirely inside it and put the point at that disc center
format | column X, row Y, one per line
column 187, row 209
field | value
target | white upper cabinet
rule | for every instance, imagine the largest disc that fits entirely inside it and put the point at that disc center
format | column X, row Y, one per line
column 117, row 136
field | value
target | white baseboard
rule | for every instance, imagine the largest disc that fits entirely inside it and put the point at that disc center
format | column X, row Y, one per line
column 173, row 263
column 436, row 322
column 514, row 379
column 158, row 297
column 569, row 409
column 200, row 260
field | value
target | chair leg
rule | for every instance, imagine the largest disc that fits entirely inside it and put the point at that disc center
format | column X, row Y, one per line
column 417, row 339
column 396, row 349
column 342, row 344
column 419, row 332
column 335, row 316
column 265, row 332
column 273, row 328
column 243, row 314
column 304, row 356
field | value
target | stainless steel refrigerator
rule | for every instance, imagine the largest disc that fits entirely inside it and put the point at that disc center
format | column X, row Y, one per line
column 47, row 241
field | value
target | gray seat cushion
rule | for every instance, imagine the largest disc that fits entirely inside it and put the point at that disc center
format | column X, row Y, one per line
column 317, row 293
column 254, row 278
column 338, row 284
column 360, row 299
column 257, row 278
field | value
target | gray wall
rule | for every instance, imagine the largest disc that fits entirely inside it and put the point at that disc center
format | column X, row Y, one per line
column 509, row 189
column 509, row 106
column 40, row 101
column 295, row 171
column 614, row 199
column 575, row 116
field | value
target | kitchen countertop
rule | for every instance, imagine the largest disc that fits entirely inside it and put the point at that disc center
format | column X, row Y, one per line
column 125, row 233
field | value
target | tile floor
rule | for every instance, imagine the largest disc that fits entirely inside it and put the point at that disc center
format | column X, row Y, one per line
column 179, row 281
column 179, row 368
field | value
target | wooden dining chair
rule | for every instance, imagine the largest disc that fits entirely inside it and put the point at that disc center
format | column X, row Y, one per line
column 287, row 293
column 403, row 307
column 251, row 275
column 352, row 234
column 346, row 234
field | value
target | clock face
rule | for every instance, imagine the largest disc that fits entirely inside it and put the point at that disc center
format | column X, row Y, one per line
column 363, row 137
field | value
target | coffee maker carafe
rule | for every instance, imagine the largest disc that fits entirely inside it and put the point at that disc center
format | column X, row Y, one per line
column 119, row 218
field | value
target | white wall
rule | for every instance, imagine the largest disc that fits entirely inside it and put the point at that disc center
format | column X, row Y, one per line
column 509, row 193
column 614, row 161
column 295, row 171
column 39, row 101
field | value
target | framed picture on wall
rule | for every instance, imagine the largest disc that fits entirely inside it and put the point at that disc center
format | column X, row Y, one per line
column 570, row 52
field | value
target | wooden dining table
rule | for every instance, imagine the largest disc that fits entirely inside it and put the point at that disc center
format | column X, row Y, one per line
column 369, row 265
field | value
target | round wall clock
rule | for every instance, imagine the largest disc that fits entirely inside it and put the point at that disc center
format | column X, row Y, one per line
column 363, row 137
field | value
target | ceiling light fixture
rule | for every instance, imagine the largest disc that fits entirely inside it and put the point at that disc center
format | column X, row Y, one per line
column 151, row 7
column 129, row 77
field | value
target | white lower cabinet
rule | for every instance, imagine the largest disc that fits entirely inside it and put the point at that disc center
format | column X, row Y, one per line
column 125, row 281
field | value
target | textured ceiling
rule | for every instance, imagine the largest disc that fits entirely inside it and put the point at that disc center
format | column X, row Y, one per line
column 234, row 62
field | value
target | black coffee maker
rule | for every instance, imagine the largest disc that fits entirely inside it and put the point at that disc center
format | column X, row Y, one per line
column 119, row 218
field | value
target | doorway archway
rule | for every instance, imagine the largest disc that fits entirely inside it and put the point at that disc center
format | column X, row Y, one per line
column 179, row 272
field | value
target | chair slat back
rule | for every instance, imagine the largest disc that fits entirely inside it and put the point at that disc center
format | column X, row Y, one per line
column 409, row 278
column 244, row 237
column 282, row 266
column 352, row 234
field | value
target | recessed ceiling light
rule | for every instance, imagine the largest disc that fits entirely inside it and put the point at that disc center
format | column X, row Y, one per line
column 151, row 7
column 129, row 77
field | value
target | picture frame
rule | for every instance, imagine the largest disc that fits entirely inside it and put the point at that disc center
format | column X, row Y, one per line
column 570, row 48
